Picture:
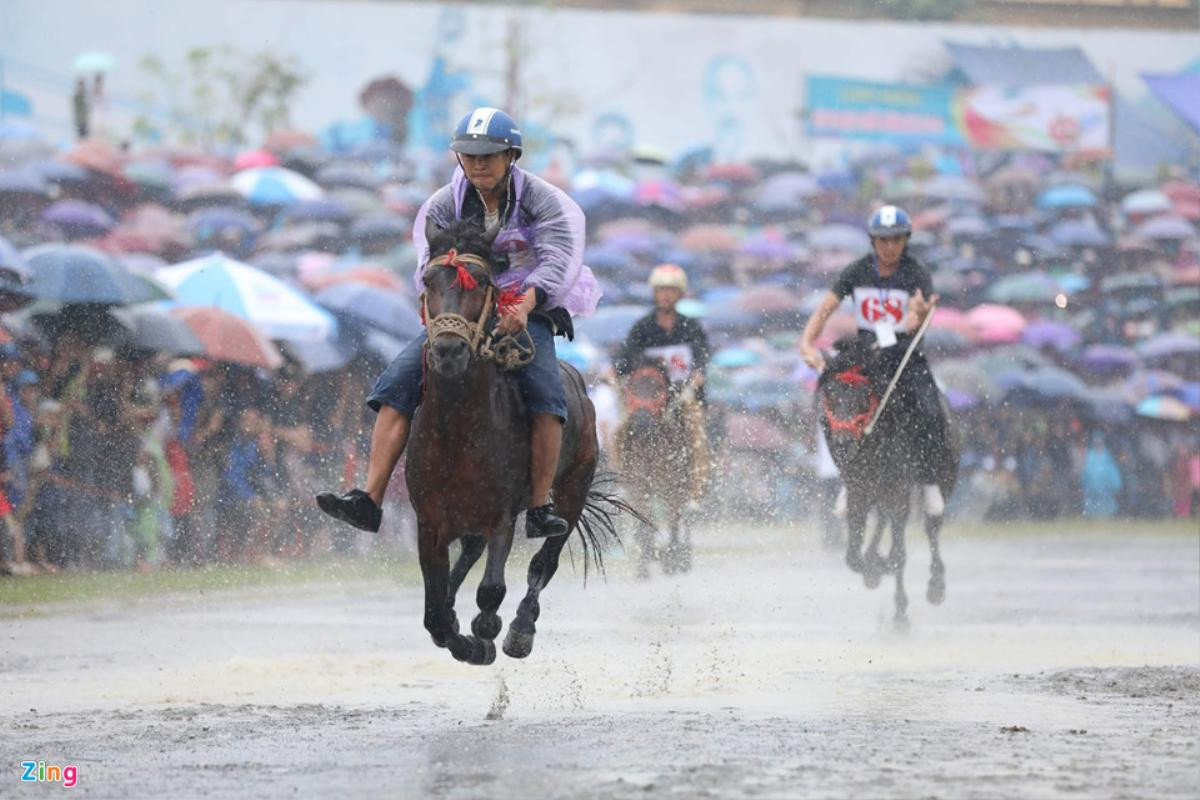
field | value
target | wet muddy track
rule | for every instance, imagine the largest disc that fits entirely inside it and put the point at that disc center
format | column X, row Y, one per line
column 1058, row 666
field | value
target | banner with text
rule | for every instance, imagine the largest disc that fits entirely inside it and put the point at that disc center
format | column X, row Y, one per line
column 891, row 112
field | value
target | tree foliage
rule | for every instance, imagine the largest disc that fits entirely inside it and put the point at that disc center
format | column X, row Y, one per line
column 219, row 96
column 922, row 9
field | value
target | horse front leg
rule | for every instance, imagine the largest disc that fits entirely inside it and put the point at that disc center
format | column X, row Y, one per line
column 434, row 553
column 472, row 547
column 935, row 593
column 856, row 525
column 490, row 594
column 519, row 641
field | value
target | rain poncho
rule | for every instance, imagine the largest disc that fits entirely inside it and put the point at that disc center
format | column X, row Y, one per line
column 1101, row 480
column 542, row 236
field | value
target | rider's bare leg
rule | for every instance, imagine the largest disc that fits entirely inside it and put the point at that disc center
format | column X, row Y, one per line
column 545, row 444
column 388, row 439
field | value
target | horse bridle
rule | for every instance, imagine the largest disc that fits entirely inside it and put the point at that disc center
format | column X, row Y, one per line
column 858, row 423
column 508, row 352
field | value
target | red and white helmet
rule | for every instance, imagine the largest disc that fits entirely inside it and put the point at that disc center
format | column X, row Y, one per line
column 668, row 276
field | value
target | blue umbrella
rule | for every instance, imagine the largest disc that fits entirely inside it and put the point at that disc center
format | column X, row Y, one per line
column 212, row 220
column 23, row 182
column 79, row 218
column 1169, row 344
column 318, row 211
column 275, row 186
column 73, row 274
column 1077, row 233
column 1166, row 228
column 841, row 237
column 733, row 357
column 375, row 227
column 610, row 324
column 1067, row 196
column 373, row 307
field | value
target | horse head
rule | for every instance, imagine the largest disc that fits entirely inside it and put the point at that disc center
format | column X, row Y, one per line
column 646, row 393
column 849, row 390
column 460, row 298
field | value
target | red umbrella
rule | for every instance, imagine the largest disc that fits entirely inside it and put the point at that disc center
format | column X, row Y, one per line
column 96, row 154
column 734, row 173
column 950, row 319
column 255, row 158
column 769, row 300
column 229, row 338
column 712, row 238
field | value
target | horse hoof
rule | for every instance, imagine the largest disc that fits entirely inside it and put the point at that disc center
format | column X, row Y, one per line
column 872, row 578
column 643, row 572
column 486, row 626
column 936, row 592
column 855, row 562
column 901, row 623
column 485, row 652
column 517, row 644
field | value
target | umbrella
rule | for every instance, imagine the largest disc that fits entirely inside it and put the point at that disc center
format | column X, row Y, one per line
column 317, row 357
column 968, row 227
column 953, row 187
column 709, row 238
column 97, row 155
column 391, row 312
column 1170, row 228
column 275, row 186
column 364, row 274
column 604, row 182
column 785, row 191
column 1152, row 381
column 847, row 238
column 229, row 338
column 943, row 341
column 74, row 274
column 23, row 183
column 208, row 193
column 731, row 173
column 78, row 218
column 1166, row 345
column 1047, row 333
column 1164, row 407
column 610, row 324
column 277, row 309
column 255, row 158
column 318, row 211
column 59, row 172
column 769, row 300
column 966, row 376
column 214, row 220
column 353, row 174
column 768, row 247
column 735, row 357
column 1043, row 382
column 949, row 319
column 1024, row 287
column 1185, row 197
column 1106, row 405
column 1146, row 201
column 1107, row 358
column 995, row 323
column 1077, row 233
column 14, row 277
column 152, row 329
column 1067, row 196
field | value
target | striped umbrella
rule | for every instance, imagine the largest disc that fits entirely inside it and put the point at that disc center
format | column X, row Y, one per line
column 277, row 309
column 275, row 186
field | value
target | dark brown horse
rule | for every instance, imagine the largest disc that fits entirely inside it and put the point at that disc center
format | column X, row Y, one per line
column 879, row 469
column 468, row 457
column 655, row 469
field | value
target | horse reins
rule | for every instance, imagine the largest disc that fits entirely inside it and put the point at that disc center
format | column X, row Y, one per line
column 507, row 351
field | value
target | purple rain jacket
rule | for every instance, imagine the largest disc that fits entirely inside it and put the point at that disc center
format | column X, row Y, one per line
column 542, row 237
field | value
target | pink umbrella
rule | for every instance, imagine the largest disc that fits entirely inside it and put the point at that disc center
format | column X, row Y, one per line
column 993, row 324
column 951, row 319
column 255, row 158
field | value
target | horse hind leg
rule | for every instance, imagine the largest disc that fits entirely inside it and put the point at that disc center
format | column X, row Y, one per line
column 935, row 593
column 897, row 559
column 490, row 594
column 570, row 496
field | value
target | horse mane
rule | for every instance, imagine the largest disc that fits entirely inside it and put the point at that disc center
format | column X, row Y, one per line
column 852, row 350
column 461, row 235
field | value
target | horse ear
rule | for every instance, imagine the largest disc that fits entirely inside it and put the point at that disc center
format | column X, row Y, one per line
column 490, row 233
column 431, row 230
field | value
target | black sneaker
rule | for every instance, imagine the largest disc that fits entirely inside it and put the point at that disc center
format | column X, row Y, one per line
column 355, row 507
column 543, row 523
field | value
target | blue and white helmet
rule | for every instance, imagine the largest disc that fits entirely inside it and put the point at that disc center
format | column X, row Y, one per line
column 889, row 221
column 485, row 131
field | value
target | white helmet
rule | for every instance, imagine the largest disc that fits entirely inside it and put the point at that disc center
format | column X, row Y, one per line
column 668, row 276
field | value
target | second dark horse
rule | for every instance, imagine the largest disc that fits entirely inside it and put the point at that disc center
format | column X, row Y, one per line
column 880, row 470
column 468, row 457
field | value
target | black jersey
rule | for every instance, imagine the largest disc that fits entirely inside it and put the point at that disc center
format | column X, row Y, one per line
column 878, row 299
column 646, row 333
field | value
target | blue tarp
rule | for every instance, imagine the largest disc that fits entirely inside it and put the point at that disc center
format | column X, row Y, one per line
column 1019, row 66
column 1180, row 92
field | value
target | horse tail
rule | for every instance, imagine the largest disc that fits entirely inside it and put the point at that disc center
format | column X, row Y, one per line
column 597, row 522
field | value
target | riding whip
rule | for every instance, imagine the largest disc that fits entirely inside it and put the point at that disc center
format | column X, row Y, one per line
column 900, row 369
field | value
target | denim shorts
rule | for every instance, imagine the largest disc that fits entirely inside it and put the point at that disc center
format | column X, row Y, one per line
column 539, row 382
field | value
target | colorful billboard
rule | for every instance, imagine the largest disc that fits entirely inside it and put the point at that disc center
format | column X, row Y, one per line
column 1051, row 119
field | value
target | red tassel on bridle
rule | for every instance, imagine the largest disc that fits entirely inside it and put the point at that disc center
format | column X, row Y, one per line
column 464, row 279
column 509, row 300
